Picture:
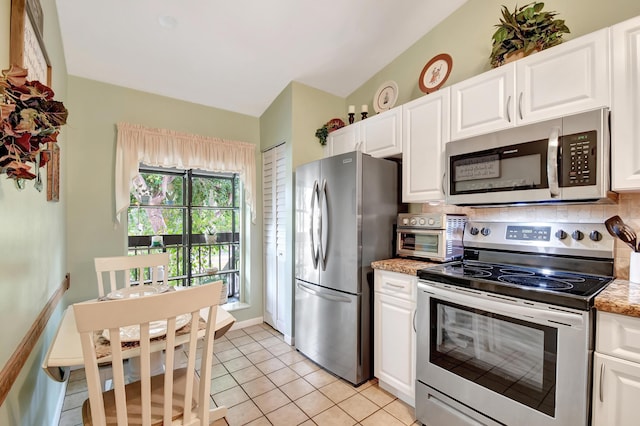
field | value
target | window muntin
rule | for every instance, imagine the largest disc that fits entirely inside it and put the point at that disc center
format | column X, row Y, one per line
column 195, row 217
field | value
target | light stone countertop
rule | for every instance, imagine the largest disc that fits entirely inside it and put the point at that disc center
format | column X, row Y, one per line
column 620, row 297
column 403, row 266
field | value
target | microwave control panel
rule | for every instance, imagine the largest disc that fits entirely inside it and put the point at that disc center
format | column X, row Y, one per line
column 579, row 159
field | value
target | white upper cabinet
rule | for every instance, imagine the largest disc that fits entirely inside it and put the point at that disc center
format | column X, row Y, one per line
column 425, row 131
column 343, row 140
column 566, row 79
column 625, row 109
column 569, row 78
column 484, row 103
column 381, row 134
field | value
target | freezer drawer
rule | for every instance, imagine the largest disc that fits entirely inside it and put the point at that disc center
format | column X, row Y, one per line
column 328, row 329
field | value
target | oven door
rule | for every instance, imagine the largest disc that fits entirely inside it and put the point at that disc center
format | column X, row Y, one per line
column 428, row 244
column 514, row 361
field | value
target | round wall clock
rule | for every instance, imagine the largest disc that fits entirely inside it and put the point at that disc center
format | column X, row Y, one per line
column 435, row 73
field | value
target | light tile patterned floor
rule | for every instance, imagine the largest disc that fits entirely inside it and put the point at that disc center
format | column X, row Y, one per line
column 264, row 381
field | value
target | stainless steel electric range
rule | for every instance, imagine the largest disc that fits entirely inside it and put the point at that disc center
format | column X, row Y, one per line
column 505, row 336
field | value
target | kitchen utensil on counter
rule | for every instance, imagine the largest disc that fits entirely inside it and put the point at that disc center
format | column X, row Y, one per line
column 617, row 228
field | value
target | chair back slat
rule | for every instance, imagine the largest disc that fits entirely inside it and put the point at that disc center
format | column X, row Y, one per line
column 117, row 266
column 168, row 375
column 171, row 396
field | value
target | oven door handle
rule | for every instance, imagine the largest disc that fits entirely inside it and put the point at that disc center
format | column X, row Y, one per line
column 470, row 298
column 552, row 163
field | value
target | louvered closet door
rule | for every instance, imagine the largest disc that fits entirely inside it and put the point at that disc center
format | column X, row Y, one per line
column 275, row 221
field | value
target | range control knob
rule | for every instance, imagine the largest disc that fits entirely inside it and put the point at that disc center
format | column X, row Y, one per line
column 474, row 230
column 485, row 231
column 422, row 221
column 560, row 234
column 577, row 235
column 595, row 236
column 413, row 221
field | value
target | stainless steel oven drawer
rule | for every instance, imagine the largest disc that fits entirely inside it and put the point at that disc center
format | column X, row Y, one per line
column 436, row 409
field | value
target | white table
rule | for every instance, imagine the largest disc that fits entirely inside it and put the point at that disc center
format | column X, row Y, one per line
column 66, row 350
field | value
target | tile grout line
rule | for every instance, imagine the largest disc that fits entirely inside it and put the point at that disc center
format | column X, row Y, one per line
column 242, row 339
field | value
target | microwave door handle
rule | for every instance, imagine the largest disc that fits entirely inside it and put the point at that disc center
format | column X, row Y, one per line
column 552, row 163
column 314, row 225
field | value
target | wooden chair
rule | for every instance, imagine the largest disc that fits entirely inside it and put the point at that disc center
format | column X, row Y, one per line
column 116, row 271
column 117, row 265
column 159, row 399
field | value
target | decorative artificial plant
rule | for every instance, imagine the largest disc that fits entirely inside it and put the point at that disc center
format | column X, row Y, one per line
column 526, row 29
column 322, row 134
column 29, row 120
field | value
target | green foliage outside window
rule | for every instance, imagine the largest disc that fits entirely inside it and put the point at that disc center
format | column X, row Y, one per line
column 159, row 205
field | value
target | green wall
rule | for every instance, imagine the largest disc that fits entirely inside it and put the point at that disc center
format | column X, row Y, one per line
column 32, row 255
column 43, row 240
column 466, row 36
column 97, row 107
column 293, row 118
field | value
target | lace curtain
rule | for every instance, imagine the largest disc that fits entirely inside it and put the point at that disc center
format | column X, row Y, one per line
column 165, row 148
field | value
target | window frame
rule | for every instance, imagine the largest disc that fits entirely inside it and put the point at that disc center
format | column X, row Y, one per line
column 185, row 244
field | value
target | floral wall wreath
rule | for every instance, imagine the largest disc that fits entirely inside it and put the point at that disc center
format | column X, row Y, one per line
column 30, row 121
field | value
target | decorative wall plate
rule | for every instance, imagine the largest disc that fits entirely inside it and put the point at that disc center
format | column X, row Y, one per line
column 386, row 96
column 435, row 73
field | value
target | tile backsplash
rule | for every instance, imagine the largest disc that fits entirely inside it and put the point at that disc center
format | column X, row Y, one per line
column 628, row 208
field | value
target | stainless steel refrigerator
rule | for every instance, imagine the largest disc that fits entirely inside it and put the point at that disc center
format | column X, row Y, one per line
column 346, row 206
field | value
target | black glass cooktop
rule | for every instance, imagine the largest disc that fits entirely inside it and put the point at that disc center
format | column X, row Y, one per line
column 568, row 289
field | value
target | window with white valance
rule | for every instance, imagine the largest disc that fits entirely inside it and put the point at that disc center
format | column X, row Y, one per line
column 166, row 148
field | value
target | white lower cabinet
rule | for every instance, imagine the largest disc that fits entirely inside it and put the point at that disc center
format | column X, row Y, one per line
column 616, row 371
column 394, row 333
column 616, row 391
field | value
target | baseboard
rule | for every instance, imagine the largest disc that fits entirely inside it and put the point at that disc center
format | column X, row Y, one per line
column 247, row 323
column 408, row 399
column 289, row 340
column 58, row 410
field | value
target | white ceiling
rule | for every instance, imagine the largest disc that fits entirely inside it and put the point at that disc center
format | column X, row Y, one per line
column 238, row 55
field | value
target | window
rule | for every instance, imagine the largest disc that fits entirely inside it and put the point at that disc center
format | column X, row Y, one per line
column 195, row 217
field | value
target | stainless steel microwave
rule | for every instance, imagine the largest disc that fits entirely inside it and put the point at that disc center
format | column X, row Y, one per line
column 561, row 160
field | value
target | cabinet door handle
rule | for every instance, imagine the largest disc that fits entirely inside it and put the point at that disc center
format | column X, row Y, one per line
column 414, row 320
column 393, row 285
column 601, row 379
column 508, row 108
column 520, row 105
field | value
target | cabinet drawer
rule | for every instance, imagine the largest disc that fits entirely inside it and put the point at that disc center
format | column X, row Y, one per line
column 618, row 335
column 396, row 284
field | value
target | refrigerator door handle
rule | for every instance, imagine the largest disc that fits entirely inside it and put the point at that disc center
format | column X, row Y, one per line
column 324, row 225
column 323, row 295
column 314, row 204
